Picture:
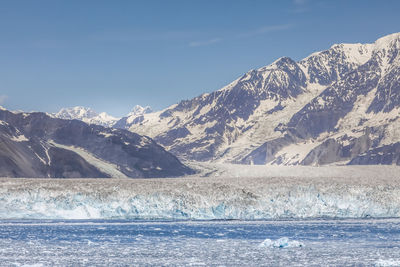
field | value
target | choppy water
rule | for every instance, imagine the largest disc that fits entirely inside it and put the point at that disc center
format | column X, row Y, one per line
column 366, row 242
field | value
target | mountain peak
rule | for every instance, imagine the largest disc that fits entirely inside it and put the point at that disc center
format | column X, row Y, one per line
column 87, row 115
column 283, row 60
column 77, row 112
column 389, row 38
column 388, row 41
column 139, row 110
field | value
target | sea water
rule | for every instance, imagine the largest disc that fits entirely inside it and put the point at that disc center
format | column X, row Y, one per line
column 358, row 242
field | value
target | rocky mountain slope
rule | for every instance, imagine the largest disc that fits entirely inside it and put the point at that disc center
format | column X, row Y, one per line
column 339, row 106
column 37, row 145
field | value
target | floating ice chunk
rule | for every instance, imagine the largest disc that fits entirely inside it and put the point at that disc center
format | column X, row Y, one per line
column 282, row 242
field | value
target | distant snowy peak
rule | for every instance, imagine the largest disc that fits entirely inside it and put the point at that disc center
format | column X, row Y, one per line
column 133, row 117
column 139, row 110
column 90, row 116
column 76, row 113
column 86, row 115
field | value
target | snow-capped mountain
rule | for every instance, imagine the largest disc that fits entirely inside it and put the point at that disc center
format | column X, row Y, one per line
column 340, row 105
column 37, row 145
column 139, row 111
column 90, row 116
column 133, row 117
column 86, row 115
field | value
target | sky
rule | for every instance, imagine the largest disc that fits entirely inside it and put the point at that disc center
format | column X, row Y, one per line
column 113, row 55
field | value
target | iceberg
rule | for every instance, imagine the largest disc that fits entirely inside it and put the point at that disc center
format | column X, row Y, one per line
column 199, row 198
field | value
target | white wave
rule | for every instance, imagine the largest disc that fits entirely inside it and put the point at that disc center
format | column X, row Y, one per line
column 199, row 199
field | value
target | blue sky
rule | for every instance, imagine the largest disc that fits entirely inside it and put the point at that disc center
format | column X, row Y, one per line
column 112, row 55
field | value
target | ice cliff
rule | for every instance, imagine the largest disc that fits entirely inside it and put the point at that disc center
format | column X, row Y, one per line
column 200, row 199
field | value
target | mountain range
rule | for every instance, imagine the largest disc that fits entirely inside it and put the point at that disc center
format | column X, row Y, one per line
column 338, row 106
column 334, row 107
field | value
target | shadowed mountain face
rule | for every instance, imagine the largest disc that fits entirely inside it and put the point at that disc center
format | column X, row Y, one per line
column 36, row 145
column 336, row 106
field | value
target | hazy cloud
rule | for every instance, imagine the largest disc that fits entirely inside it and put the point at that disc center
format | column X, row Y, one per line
column 205, row 42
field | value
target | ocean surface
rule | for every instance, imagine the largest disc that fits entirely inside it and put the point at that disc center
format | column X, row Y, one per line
column 344, row 242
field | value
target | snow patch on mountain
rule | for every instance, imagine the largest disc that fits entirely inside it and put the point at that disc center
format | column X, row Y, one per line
column 19, row 138
column 111, row 169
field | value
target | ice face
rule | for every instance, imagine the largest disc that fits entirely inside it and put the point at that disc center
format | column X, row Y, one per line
column 200, row 198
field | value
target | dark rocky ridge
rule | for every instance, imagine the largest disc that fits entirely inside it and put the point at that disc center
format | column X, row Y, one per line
column 36, row 145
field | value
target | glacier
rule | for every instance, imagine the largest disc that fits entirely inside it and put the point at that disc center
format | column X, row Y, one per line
column 207, row 198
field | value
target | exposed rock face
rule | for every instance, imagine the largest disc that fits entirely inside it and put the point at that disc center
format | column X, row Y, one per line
column 36, row 145
column 331, row 107
column 389, row 154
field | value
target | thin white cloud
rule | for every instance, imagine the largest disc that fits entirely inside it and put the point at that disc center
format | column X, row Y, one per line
column 301, row 6
column 300, row 2
column 133, row 36
column 3, row 98
column 265, row 30
column 49, row 44
column 259, row 31
column 300, row 10
column 206, row 42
